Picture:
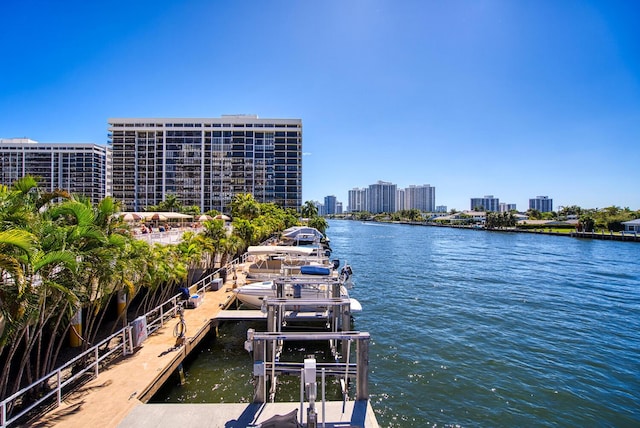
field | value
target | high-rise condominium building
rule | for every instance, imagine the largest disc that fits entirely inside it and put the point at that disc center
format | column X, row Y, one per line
column 422, row 198
column 206, row 162
column 381, row 197
column 330, row 204
column 401, row 200
column 488, row 203
column 504, row 207
column 77, row 168
column 541, row 203
column 357, row 199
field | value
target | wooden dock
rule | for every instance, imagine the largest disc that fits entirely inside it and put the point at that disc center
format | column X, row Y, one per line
column 240, row 315
column 117, row 397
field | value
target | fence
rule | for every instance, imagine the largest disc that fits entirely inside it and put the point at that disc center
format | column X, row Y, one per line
column 64, row 379
column 86, row 366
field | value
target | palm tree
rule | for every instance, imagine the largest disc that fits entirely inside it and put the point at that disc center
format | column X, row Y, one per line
column 214, row 233
column 309, row 210
column 14, row 245
column 231, row 246
column 244, row 206
column 534, row 214
column 191, row 250
column 171, row 203
column 244, row 230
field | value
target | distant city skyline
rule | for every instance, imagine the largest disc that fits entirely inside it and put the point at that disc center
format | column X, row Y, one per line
column 425, row 199
column 514, row 99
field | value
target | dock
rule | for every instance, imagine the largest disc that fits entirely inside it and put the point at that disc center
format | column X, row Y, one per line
column 240, row 315
column 238, row 415
column 117, row 397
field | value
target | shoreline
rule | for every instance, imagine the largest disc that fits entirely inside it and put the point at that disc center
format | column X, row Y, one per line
column 611, row 236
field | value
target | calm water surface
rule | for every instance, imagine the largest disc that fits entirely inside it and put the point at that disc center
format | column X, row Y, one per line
column 475, row 329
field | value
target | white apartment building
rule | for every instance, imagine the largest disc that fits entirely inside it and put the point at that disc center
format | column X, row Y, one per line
column 504, row 207
column 381, row 198
column 75, row 167
column 206, row 161
column 422, row 198
column 357, row 199
column 401, row 200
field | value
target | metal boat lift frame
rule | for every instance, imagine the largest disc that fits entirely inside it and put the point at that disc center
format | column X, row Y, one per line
column 263, row 367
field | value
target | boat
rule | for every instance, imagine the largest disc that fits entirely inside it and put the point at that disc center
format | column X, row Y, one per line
column 313, row 283
column 302, row 235
column 273, row 261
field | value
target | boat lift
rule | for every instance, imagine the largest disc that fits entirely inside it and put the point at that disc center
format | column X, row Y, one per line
column 266, row 368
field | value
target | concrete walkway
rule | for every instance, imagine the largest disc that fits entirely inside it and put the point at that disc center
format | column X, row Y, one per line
column 106, row 400
column 237, row 415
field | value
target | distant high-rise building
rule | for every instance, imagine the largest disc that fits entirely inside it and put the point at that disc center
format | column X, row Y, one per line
column 504, row 207
column 338, row 207
column 422, row 198
column 400, row 200
column 382, row 198
column 330, row 205
column 488, row 203
column 357, row 200
column 541, row 203
column 441, row 209
column 206, row 161
column 77, row 168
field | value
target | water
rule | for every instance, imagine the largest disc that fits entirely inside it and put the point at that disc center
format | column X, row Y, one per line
column 476, row 329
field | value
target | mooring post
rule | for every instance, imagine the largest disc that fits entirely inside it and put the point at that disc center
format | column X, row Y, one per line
column 345, row 310
column 362, row 371
column 259, row 372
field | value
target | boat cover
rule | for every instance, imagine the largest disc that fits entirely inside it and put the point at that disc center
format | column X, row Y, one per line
column 279, row 249
column 314, row 270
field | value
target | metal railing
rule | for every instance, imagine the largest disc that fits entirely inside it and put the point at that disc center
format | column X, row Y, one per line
column 64, row 379
column 86, row 366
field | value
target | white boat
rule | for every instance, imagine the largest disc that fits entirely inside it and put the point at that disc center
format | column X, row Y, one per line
column 301, row 235
column 273, row 261
column 314, row 286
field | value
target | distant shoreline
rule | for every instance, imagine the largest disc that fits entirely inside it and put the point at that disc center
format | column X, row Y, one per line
column 611, row 236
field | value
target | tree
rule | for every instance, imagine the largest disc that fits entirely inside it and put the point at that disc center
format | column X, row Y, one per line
column 586, row 223
column 243, row 205
column 319, row 223
column 244, row 230
column 414, row 214
column 570, row 210
column 171, row 203
column 309, row 210
column 534, row 214
column 214, row 234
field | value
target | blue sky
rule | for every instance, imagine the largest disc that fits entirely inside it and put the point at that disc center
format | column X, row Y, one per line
column 507, row 98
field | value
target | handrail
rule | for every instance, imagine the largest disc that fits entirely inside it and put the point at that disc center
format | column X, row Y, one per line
column 62, row 378
column 157, row 317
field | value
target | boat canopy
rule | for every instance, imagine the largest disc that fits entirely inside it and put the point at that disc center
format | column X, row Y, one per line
column 293, row 232
column 279, row 249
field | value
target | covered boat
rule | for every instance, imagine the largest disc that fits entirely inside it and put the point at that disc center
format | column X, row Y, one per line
column 318, row 284
column 273, row 261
